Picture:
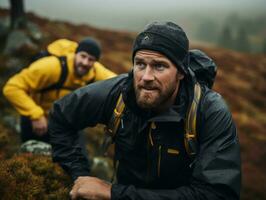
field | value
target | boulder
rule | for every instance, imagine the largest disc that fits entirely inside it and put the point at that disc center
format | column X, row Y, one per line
column 19, row 43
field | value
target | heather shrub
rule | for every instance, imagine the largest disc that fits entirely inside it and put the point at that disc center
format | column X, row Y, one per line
column 29, row 176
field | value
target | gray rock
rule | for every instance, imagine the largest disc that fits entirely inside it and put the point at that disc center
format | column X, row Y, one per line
column 18, row 40
column 12, row 121
column 4, row 22
column 3, row 31
column 34, row 31
column 36, row 147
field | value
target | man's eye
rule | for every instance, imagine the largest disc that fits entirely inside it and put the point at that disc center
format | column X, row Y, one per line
column 159, row 67
column 91, row 59
column 140, row 65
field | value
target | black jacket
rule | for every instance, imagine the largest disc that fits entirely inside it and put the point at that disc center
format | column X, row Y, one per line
column 153, row 163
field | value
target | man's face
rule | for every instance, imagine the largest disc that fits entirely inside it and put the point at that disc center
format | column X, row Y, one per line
column 83, row 63
column 156, row 80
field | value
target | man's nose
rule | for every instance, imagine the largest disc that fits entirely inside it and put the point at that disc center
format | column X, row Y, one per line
column 148, row 74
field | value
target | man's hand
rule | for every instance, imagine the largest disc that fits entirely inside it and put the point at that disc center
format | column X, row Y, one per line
column 39, row 126
column 92, row 188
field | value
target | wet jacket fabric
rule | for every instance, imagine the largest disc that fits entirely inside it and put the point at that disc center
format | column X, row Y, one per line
column 149, row 147
column 23, row 89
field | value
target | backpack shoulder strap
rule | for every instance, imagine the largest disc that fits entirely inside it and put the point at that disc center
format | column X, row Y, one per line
column 190, row 138
column 111, row 129
column 113, row 124
column 63, row 76
column 41, row 54
column 116, row 117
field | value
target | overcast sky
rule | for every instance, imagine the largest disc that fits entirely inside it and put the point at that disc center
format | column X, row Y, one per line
column 132, row 15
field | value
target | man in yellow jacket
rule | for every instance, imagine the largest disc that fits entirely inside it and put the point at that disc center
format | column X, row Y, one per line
column 33, row 90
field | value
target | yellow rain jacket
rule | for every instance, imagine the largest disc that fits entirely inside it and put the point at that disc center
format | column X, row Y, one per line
column 23, row 89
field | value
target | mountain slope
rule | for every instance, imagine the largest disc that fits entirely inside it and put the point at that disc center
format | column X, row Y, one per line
column 240, row 80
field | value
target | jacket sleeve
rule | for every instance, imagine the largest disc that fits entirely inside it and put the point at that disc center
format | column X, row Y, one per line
column 85, row 107
column 38, row 75
column 217, row 167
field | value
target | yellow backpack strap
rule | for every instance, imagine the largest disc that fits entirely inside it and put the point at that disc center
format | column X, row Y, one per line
column 190, row 138
column 111, row 130
column 116, row 118
column 114, row 123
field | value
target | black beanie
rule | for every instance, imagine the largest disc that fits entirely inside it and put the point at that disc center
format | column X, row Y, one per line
column 167, row 38
column 90, row 46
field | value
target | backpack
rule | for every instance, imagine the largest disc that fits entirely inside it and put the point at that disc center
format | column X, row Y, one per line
column 59, row 48
column 203, row 67
column 203, row 71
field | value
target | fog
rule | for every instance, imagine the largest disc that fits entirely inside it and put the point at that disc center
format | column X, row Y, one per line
column 132, row 15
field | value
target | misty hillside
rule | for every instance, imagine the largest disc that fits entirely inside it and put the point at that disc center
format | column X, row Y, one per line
column 240, row 79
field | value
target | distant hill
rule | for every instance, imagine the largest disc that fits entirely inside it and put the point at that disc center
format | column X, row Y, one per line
column 240, row 80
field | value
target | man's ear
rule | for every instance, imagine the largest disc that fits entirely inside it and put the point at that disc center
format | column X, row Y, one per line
column 180, row 75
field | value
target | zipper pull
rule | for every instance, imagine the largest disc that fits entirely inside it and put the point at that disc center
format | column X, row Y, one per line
column 122, row 123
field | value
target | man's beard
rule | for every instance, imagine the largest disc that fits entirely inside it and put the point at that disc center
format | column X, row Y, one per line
column 150, row 96
column 80, row 70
